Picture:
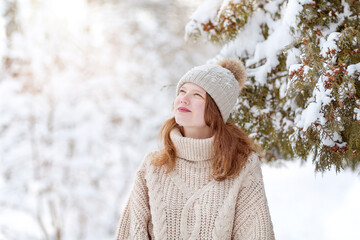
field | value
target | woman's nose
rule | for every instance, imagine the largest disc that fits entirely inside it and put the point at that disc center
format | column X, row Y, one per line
column 184, row 99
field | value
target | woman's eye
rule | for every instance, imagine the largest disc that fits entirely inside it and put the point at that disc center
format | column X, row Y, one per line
column 198, row 95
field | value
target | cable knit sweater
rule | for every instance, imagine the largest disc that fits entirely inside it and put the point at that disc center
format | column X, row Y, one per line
column 188, row 204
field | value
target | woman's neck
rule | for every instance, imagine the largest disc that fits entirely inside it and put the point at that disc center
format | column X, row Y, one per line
column 197, row 133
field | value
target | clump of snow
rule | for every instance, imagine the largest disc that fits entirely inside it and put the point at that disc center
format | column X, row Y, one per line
column 329, row 44
column 203, row 14
column 282, row 90
column 352, row 69
column 357, row 112
column 331, row 140
column 292, row 57
column 256, row 111
column 347, row 11
column 207, row 10
column 312, row 113
column 295, row 67
column 261, row 72
column 292, row 10
column 306, row 1
column 251, row 31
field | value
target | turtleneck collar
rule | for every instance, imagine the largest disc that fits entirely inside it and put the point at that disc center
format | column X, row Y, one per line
column 190, row 148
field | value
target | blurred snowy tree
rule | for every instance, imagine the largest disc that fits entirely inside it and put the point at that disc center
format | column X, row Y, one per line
column 2, row 32
column 303, row 60
column 82, row 98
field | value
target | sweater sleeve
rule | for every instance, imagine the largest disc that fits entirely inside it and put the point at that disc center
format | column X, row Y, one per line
column 135, row 221
column 252, row 217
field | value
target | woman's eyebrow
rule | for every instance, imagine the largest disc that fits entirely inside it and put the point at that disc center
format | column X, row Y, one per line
column 198, row 91
column 194, row 90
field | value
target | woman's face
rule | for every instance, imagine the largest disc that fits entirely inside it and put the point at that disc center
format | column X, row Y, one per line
column 189, row 106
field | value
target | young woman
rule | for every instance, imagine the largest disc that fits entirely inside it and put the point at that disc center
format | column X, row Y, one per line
column 206, row 181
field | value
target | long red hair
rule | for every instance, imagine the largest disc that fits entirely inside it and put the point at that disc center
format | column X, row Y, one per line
column 232, row 145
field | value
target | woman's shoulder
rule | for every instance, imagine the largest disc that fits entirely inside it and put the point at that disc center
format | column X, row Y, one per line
column 253, row 159
column 148, row 159
column 150, row 155
column 251, row 172
column 253, row 165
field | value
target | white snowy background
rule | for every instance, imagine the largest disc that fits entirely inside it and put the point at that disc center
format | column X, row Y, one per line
column 84, row 89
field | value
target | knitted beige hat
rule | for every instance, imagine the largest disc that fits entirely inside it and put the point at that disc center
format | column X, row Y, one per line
column 222, row 81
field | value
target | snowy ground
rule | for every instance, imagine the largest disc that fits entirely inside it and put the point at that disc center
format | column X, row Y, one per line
column 305, row 205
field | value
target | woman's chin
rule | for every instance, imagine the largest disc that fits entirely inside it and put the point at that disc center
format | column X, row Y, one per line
column 182, row 121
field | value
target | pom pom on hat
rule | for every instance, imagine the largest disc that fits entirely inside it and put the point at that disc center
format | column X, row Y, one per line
column 237, row 68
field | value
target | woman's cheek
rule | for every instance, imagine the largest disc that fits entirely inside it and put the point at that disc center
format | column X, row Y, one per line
column 200, row 106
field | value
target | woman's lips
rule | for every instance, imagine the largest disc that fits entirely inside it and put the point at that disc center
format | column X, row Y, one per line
column 182, row 109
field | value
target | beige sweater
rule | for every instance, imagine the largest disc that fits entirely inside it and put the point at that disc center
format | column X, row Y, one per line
column 188, row 204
